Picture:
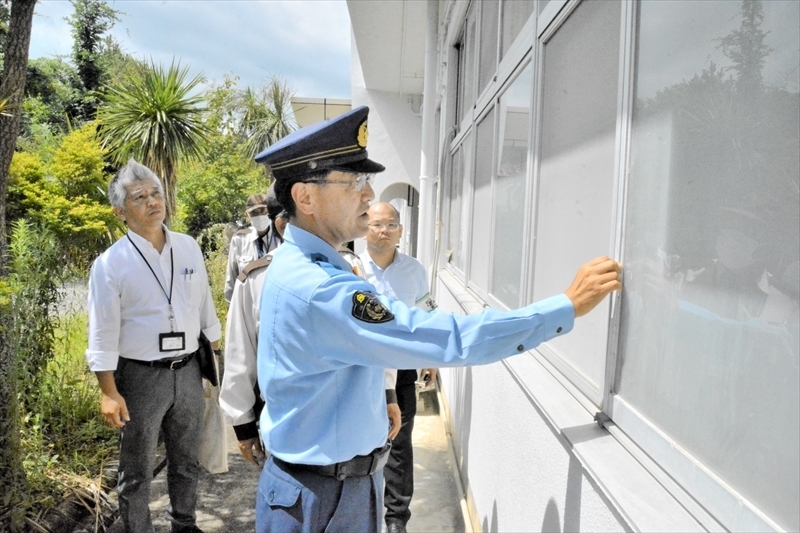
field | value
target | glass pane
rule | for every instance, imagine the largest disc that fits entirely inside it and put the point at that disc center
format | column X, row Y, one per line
column 542, row 5
column 467, row 72
column 453, row 249
column 515, row 14
column 509, row 190
column 482, row 201
column 709, row 340
column 581, row 66
column 488, row 42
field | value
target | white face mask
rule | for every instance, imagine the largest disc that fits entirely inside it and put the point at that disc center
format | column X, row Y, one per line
column 260, row 223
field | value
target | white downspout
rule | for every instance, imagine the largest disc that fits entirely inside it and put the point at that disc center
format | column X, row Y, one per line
column 427, row 208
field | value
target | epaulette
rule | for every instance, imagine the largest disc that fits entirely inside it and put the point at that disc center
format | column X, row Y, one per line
column 253, row 265
column 323, row 263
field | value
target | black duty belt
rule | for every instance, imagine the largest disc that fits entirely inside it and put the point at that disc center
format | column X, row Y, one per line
column 172, row 364
column 360, row 465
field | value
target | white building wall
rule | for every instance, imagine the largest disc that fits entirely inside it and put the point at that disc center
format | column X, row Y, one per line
column 530, row 454
column 518, row 471
column 395, row 132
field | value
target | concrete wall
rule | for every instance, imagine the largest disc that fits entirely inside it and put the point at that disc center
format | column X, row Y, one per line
column 518, row 471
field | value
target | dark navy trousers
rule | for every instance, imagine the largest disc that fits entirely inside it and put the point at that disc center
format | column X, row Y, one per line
column 399, row 471
column 295, row 501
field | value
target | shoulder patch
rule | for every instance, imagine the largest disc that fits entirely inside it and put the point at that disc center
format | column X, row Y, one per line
column 367, row 308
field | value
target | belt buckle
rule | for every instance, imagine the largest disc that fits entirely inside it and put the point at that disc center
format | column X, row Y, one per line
column 173, row 363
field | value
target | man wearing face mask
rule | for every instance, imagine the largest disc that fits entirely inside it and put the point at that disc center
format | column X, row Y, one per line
column 256, row 241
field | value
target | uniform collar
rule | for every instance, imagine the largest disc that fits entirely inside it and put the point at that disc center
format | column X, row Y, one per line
column 311, row 245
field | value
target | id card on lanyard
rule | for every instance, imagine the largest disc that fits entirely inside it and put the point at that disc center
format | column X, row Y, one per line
column 174, row 340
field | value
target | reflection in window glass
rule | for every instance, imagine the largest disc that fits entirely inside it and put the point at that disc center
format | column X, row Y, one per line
column 458, row 217
column 482, row 202
column 488, row 40
column 576, row 175
column 453, row 248
column 466, row 66
column 515, row 15
column 509, row 189
column 709, row 341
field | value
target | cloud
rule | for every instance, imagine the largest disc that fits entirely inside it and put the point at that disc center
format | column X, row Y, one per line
column 306, row 43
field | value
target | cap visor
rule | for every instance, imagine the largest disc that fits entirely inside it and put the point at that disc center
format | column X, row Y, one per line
column 365, row 166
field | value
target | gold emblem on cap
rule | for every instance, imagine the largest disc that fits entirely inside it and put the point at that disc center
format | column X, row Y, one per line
column 363, row 134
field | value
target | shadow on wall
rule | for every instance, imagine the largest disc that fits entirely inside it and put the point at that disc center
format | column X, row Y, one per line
column 493, row 527
column 572, row 506
column 464, row 422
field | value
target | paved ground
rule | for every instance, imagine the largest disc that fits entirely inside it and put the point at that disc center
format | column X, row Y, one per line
column 227, row 500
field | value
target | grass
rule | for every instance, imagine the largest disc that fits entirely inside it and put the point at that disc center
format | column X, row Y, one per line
column 64, row 440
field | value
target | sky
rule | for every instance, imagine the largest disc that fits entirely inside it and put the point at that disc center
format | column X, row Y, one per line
column 304, row 42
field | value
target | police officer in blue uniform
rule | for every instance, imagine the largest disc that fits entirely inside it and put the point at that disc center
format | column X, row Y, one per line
column 325, row 338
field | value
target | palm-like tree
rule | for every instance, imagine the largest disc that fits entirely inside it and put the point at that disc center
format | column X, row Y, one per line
column 155, row 115
column 266, row 115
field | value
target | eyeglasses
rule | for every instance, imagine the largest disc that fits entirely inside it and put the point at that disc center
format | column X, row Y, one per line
column 360, row 182
column 390, row 227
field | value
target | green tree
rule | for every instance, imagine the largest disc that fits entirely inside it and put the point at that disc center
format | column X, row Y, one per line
column 155, row 116
column 214, row 188
column 90, row 21
column 266, row 115
column 52, row 96
column 12, row 84
column 67, row 197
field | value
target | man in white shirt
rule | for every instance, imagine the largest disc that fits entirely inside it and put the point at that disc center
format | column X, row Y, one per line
column 149, row 300
column 255, row 242
column 403, row 278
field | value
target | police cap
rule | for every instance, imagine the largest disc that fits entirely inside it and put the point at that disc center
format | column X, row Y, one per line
column 336, row 144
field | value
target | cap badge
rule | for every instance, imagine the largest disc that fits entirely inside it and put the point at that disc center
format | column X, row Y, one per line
column 363, row 134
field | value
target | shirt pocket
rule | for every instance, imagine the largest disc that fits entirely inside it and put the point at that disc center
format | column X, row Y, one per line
column 193, row 288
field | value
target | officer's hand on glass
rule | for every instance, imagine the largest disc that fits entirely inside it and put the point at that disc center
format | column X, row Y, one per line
column 593, row 282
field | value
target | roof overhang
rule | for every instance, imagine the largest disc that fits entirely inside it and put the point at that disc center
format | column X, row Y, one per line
column 390, row 36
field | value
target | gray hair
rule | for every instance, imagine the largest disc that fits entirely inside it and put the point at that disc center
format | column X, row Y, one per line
column 128, row 174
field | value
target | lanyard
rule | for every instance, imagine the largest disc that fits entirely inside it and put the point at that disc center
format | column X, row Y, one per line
column 171, row 279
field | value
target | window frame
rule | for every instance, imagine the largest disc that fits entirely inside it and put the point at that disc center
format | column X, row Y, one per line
column 706, row 497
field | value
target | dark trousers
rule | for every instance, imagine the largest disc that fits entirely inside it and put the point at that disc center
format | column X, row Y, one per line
column 295, row 501
column 399, row 470
column 171, row 401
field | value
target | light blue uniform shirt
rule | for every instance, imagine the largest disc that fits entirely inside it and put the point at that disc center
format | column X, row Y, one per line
column 320, row 368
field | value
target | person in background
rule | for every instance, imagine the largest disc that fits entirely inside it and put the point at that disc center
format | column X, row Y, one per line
column 399, row 277
column 325, row 338
column 149, row 300
column 255, row 242
column 239, row 396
